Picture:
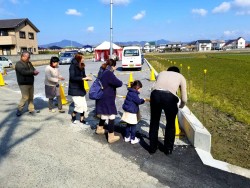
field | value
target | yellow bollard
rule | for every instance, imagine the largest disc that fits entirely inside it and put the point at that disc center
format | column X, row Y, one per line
column 152, row 76
column 63, row 98
column 2, row 83
column 86, row 85
column 178, row 132
column 130, row 80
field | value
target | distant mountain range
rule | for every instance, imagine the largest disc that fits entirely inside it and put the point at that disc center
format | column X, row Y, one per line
column 65, row 43
column 62, row 44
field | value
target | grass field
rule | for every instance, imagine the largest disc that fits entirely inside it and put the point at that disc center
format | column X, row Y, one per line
column 219, row 98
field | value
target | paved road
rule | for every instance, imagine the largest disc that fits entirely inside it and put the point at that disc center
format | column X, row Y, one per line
column 47, row 150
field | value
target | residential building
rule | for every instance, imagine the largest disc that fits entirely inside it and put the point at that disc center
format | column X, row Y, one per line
column 17, row 35
column 161, row 47
column 235, row 44
column 173, row 46
column 217, row 44
column 203, row 45
column 149, row 47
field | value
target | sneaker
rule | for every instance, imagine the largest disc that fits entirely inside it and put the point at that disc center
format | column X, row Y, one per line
column 73, row 119
column 18, row 113
column 135, row 141
column 52, row 111
column 61, row 111
column 34, row 112
column 127, row 139
column 83, row 121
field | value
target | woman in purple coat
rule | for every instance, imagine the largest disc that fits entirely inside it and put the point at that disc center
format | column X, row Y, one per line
column 105, row 107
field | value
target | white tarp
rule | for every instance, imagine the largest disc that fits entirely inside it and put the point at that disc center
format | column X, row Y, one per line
column 106, row 46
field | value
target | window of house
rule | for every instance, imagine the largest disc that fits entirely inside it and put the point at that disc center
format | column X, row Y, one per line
column 31, row 35
column 6, row 51
column 30, row 50
column 23, row 49
column 22, row 35
column 34, row 49
column 3, row 33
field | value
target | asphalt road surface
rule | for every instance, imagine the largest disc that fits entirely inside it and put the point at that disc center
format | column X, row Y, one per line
column 47, row 150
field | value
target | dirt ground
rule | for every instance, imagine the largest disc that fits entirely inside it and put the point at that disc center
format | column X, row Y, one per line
column 230, row 139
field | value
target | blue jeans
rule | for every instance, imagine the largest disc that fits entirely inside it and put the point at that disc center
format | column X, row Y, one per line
column 130, row 131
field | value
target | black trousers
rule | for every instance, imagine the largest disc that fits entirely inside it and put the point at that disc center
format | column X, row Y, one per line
column 162, row 100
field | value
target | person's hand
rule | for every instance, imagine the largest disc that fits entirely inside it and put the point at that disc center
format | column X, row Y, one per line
column 87, row 78
column 181, row 105
column 61, row 78
column 147, row 99
column 36, row 72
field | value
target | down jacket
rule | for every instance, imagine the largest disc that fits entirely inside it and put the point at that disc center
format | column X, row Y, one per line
column 132, row 101
column 76, row 75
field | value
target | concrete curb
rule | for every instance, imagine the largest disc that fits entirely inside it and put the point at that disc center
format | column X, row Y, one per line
column 200, row 138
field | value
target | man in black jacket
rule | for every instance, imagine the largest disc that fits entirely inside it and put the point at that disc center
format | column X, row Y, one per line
column 25, row 73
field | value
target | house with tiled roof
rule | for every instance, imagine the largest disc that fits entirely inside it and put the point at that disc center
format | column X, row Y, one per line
column 17, row 35
column 238, row 43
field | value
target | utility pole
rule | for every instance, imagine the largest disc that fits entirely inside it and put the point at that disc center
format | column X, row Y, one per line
column 111, row 29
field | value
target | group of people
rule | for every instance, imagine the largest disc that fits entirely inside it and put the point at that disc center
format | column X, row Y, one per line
column 163, row 97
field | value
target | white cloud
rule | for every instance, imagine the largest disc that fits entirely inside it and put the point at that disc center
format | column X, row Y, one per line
column 73, row 12
column 242, row 3
column 235, row 34
column 90, row 29
column 201, row 11
column 242, row 7
column 116, row 2
column 230, row 33
column 243, row 13
column 140, row 15
column 223, row 7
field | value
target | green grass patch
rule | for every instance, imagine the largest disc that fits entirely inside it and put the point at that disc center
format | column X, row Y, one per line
column 225, row 86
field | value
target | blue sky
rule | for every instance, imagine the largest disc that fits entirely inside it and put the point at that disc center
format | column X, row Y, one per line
column 88, row 21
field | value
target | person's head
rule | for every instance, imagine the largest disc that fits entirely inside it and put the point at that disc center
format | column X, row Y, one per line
column 25, row 56
column 54, row 61
column 174, row 69
column 137, row 85
column 80, row 59
column 109, row 62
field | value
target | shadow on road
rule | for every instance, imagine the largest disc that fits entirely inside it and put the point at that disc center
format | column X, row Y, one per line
column 183, row 168
column 10, row 124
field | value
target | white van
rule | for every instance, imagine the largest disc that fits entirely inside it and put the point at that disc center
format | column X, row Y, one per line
column 132, row 57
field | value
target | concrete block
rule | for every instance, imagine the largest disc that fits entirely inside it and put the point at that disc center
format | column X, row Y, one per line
column 197, row 134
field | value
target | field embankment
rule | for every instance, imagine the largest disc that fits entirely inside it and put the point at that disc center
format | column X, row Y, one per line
column 219, row 97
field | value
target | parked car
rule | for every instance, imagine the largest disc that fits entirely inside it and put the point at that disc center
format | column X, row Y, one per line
column 5, row 62
column 66, row 57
